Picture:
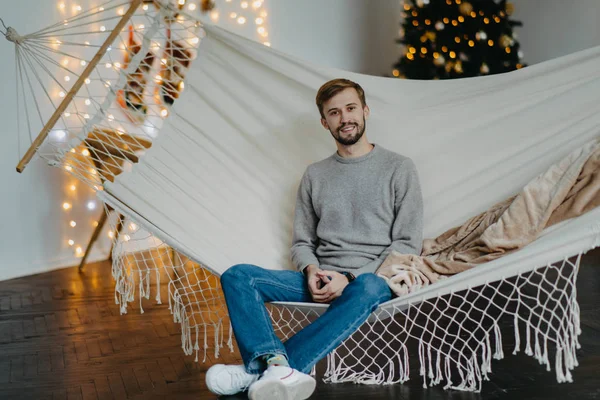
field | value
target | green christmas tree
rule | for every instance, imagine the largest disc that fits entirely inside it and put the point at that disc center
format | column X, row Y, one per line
column 445, row 39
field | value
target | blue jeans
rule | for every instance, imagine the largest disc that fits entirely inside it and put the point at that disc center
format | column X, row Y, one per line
column 247, row 287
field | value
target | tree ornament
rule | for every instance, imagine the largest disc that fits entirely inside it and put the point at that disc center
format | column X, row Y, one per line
column 484, row 68
column 439, row 26
column 465, row 8
column 481, row 35
column 440, row 61
column 505, row 40
column 510, row 8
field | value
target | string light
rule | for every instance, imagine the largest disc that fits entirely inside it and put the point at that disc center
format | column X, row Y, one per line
column 85, row 152
column 241, row 20
column 132, row 227
column 66, row 206
column 91, row 205
column 87, row 102
column 244, row 4
column 87, row 81
column 68, row 168
column 83, row 63
column 111, row 234
column 192, row 7
column 61, row 94
column 73, row 224
column 71, row 242
column 79, row 252
column 145, row 7
column 126, row 238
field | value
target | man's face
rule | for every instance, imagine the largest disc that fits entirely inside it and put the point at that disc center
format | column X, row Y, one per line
column 345, row 117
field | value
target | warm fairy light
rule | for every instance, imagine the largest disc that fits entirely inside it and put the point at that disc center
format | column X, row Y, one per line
column 195, row 40
column 141, row 26
column 396, row 72
column 192, row 7
column 67, row 114
column 424, row 50
column 93, row 171
column 507, row 49
column 108, row 65
column 95, row 224
column 132, row 227
column 181, row 2
column 86, row 116
column 61, row 94
column 91, row 205
column 73, row 188
column 72, row 150
column 87, row 81
column 86, row 43
column 73, row 224
column 61, row 6
column 111, row 234
column 85, row 152
column 111, row 117
column 77, row 7
column 181, row 85
column 263, row 13
column 486, row 20
column 83, row 63
column 79, row 252
column 65, row 62
column 60, row 134
column 452, row 54
column 120, row 131
column 158, row 78
column 121, row 11
column 117, row 65
column 471, row 43
column 259, row 21
column 101, row 9
column 126, row 238
column 412, row 50
column 68, row 168
column 490, row 42
column 87, row 102
column 145, row 7
column 410, row 56
column 71, row 242
column 261, row 30
column 102, row 28
column 461, row 19
column 163, row 61
column 214, row 15
column 244, row 4
column 164, row 112
column 232, row 15
column 241, row 20
column 257, row 4
column 66, row 206
column 268, row 44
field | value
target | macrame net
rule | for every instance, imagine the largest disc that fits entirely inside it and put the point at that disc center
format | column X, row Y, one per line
column 114, row 118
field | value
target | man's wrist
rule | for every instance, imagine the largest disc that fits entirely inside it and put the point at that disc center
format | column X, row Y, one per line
column 349, row 275
column 309, row 268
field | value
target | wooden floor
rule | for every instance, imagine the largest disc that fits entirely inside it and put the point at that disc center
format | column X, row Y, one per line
column 62, row 337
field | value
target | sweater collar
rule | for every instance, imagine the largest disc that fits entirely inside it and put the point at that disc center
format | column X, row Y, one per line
column 355, row 160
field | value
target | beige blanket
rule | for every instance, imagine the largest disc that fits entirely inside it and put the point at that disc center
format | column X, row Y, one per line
column 568, row 189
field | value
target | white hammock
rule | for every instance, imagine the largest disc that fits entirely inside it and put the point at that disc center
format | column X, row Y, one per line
column 218, row 185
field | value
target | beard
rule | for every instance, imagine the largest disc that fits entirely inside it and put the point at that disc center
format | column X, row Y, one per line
column 352, row 139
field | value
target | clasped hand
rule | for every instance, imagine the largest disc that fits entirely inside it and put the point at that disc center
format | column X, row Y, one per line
column 325, row 286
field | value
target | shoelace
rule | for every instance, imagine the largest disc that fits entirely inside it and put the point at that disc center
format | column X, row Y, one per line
column 239, row 378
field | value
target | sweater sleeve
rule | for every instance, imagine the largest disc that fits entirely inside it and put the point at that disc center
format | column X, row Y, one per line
column 407, row 228
column 304, row 241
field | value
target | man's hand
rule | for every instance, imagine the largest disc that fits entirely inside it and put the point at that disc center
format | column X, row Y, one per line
column 324, row 286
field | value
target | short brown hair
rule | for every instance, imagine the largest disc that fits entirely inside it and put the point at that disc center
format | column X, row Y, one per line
column 333, row 87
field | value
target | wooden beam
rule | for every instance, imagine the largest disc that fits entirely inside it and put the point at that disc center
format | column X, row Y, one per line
column 84, row 75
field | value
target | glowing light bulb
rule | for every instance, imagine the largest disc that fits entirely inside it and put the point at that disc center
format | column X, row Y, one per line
column 93, row 171
column 65, row 62
column 71, row 242
column 73, row 188
column 117, row 65
column 62, row 94
column 259, row 21
column 268, row 44
column 77, row 7
column 102, row 28
column 126, row 238
column 85, row 152
column 91, row 205
column 244, row 4
column 261, row 30
column 132, row 227
column 233, row 15
column 60, row 134
column 73, row 224
column 195, row 40
column 263, row 13
column 87, row 81
column 214, row 15
column 241, row 20
column 68, row 168
column 86, row 116
column 95, row 224
column 111, row 234
column 79, row 252
column 66, row 206
column 67, row 114
column 108, row 65
column 192, row 7
column 164, row 112
column 257, row 4
column 141, row 26
column 145, row 7
column 111, row 117
column 87, row 102
column 121, row 11
column 61, row 6
column 83, row 63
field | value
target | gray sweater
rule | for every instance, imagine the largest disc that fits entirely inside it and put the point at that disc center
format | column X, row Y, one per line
column 351, row 212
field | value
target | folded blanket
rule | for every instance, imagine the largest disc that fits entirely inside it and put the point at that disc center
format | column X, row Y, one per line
column 566, row 190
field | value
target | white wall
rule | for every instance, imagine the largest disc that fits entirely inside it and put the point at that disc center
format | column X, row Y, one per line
column 357, row 35
column 554, row 28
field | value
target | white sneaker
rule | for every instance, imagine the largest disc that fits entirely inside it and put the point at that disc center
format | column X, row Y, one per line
column 229, row 379
column 282, row 383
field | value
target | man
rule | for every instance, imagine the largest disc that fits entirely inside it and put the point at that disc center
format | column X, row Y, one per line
column 352, row 209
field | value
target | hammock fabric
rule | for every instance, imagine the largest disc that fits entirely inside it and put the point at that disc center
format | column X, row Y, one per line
column 219, row 184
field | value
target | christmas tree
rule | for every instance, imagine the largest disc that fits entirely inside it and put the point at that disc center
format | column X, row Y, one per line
column 444, row 39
